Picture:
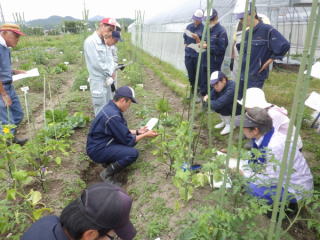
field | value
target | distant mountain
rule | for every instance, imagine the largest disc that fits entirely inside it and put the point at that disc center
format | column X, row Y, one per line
column 50, row 22
column 96, row 18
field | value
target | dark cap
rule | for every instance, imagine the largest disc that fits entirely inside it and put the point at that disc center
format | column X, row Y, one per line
column 126, row 91
column 213, row 14
column 116, row 35
column 255, row 117
column 108, row 206
column 216, row 76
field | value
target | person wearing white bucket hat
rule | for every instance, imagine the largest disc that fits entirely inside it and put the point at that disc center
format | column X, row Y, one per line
column 193, row 35
column 255, row 97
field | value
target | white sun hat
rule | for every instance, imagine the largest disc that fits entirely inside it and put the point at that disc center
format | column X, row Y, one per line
column 255, row 98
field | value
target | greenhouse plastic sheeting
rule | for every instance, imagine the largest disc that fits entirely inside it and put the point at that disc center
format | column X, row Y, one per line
column 162, row 35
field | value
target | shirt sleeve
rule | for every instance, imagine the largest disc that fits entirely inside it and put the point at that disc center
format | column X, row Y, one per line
column 97, row 61
column 223, row 100
column 278, row 44
column 120, row 131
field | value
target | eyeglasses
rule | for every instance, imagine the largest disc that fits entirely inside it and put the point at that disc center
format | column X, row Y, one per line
column 113, row 237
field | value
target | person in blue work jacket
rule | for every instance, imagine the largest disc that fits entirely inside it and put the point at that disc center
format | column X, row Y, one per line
column 10, row 108
column 222, row 94
column 192, row 36
column 218, row 46
column 110, row 142
column 267, row 45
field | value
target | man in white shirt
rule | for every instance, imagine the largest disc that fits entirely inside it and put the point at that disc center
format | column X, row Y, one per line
column 100, row 64
column 258, row 127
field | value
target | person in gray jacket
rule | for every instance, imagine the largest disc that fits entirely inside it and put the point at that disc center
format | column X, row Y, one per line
column 100, row 64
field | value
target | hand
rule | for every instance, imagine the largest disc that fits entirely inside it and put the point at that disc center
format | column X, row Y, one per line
column 6, row 99
column 205, row 98
column 109, row 81
column 143, row 130
column 150, row 134
column 265, row 65
column 196, row 37
column 114, row 75
column 204, row 45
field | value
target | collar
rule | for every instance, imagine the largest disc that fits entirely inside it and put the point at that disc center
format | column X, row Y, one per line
column 97, row 38
column 3, row 42
column 259, row 141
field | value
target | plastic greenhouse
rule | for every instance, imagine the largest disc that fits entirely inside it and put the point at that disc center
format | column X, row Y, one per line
column 161, row 36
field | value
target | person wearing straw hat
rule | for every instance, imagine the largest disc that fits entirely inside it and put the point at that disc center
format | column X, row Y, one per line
column 222, row 94
column 101, row 212
column 10, row 108
column 218, row 45
column 267, row 45
column 258, row 126
column 255, row 97
column 195, row 30
column 110, row 142
column 100, row 64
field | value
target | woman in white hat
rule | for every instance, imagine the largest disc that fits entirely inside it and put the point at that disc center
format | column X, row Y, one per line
column 255, row 97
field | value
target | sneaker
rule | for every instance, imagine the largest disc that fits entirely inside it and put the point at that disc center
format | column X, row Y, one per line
column 219, row 125
column 226, row 130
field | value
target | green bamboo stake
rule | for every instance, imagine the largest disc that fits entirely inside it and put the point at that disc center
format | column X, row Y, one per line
column 44, row 100
column 52, row 111
column 299, row 85
column 193, row 104
column 303, row 93
column 209, row 7
column 230, row 140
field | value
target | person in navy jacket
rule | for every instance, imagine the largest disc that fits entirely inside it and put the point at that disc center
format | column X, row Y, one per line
column 267, row 45
column 110, row 142
column 222, row 94
column 218, row 46
column 191, row 55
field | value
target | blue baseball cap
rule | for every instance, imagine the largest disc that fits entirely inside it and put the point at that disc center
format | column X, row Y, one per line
column 126, row 91
column 116, row 35
column 213, row 14
column 216, row 76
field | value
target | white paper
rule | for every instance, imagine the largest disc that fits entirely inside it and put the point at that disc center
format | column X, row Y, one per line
column 196, row 47
column 123, row 65
column 151, row 123
column 313, row 101
column 188, row 33
column 31, row 73
column 25, row 89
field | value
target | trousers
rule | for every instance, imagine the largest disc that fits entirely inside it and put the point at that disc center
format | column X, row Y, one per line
column 100, row 94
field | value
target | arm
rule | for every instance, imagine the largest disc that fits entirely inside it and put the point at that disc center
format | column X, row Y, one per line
column 225, row 99
column 143, row 133
column 277, row 44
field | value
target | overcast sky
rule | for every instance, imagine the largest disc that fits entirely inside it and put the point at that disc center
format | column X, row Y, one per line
column 34, row 9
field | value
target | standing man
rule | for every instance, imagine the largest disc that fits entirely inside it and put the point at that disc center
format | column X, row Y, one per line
column 10, row 108
column 102, row 212
column 100, row 64
column 110, row 142
column 218, row 45
column 267, row 45
column 194, row 31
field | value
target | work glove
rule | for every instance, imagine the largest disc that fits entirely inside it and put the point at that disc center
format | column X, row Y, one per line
column 109, row 81
column 121, row 66
column 231, row 64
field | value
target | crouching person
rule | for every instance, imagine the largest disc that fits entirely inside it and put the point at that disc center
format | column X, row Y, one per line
column 110, row 142
column 222, row 94
column 258, row 127
column 101, row 212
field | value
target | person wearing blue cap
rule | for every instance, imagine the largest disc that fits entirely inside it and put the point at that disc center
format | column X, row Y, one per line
column 193, row 35
column 218, row 45
column 101, row 212
column 100, row 64
column 267, row 45
column 222, row 94
column 109, row 141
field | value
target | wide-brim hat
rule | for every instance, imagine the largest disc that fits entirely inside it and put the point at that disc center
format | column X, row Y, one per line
column 255, row 97
column 13, row 28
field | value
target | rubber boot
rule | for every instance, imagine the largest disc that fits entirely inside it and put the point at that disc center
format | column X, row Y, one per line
column 220, row 125
column 227, row 128
column 108, row 173
column 21, row 142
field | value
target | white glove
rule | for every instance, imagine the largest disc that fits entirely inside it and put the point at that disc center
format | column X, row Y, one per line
column 109, row 81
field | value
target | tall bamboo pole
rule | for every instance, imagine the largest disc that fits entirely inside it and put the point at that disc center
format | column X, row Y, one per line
column 300, row 110
column 293, row 115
